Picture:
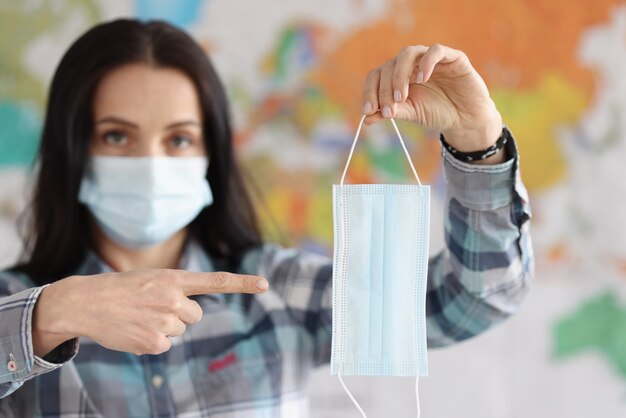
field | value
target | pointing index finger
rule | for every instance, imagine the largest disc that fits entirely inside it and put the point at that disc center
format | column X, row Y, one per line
column 193, row 283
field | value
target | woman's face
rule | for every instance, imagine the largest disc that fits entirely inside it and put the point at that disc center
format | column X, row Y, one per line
column 142, row 111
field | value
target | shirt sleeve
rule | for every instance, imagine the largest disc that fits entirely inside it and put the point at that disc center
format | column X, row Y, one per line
column 18, row 363
column 484, row 272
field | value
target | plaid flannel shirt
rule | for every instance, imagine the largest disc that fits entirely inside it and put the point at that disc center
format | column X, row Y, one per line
column 250, row 355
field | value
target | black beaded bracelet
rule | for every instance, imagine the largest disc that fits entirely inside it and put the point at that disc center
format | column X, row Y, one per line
column 478, row 155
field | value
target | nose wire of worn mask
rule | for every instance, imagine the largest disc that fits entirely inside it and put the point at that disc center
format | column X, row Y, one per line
column 379, row 278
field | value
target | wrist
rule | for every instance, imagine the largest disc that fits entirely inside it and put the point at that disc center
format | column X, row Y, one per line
column 496, row 153
column 52, row 324
column 483, row 144
column 482, row 134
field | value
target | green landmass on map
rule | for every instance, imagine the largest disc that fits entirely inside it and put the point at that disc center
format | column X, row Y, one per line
column 599, row 325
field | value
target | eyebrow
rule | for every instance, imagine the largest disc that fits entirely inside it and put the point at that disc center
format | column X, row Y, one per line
column 183, row 123
column 120, row 121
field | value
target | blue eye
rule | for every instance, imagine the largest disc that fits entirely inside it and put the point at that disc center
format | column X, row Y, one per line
column 115, row 138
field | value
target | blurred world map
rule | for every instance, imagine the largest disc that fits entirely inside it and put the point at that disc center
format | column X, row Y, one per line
column 294, row 73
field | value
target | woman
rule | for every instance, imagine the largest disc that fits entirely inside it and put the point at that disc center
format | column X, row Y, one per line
column 144, row 241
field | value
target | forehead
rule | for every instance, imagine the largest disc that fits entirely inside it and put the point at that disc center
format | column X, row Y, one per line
column 143, row 93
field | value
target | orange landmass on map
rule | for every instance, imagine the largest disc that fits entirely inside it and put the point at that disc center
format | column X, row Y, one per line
column 511, row 43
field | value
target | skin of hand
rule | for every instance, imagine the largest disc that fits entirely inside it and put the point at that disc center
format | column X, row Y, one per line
column 134, row 311
column 437, row 88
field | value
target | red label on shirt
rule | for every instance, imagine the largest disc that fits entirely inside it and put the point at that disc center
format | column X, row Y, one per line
column 223, row 363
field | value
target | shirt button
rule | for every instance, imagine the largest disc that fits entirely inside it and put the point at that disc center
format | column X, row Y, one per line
column 11, row 365
column 157, row 381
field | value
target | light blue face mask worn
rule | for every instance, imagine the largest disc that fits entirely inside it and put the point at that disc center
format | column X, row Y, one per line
column 142, row 201
column 379, row 277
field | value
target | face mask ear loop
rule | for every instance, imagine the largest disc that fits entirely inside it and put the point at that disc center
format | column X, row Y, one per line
column 345, row 170
column 408, row 157
column 351, row 397
column 356, row 137
column 417, row 396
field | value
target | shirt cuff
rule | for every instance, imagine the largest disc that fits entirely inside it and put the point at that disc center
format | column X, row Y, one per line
column 482, row 187
column 17, row 359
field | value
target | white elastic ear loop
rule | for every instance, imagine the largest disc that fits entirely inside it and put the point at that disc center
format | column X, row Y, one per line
column 356, row 137
column 417, row 396
column 351, row 397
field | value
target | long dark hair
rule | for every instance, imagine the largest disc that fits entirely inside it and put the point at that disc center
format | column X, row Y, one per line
column 56, row 236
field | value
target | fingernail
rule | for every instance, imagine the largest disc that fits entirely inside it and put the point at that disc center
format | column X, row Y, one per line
column 367, row 108
column 397, row 96
column 262, row 285
column 420, row 77
column 387, row 111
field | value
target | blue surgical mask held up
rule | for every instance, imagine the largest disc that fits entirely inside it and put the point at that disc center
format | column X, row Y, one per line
column 379, row 277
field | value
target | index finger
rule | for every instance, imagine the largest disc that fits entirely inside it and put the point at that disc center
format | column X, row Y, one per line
column 439, row 54
column 193, row 283
column 406, row 64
